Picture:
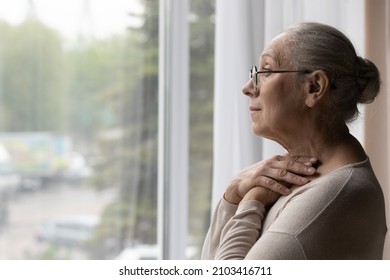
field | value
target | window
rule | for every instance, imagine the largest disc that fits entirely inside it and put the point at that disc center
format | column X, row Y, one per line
column 79, row 128
column 186, row 120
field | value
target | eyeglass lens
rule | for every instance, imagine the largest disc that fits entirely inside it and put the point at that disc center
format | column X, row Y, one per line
column 253, row 76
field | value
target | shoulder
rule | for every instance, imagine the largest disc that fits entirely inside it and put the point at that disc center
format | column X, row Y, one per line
column 338, row 193
column 342, row 209
column 353, row 183
column 350, row 179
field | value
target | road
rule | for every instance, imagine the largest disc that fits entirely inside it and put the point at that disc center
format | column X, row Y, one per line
column 29, row 210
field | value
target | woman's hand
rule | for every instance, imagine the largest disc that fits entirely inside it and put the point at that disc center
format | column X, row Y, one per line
column 265, row 181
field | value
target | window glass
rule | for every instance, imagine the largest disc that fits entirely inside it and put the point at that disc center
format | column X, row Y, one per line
column 201, row 35
column 78, row 129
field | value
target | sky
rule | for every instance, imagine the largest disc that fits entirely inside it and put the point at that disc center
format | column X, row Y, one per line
column 72, row 18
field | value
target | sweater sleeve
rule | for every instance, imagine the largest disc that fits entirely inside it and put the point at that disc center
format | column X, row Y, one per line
column 234, row 230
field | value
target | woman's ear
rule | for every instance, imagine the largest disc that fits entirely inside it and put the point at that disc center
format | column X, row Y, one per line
column 317, row 84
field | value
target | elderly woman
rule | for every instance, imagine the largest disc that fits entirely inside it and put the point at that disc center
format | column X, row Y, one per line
column 321, row 200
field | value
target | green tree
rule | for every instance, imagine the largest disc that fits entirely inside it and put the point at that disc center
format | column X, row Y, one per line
column 133, row 217
column 98, row 84
column 202, row 39
column 33, row 84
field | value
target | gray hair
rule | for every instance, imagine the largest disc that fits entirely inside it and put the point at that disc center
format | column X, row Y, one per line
column 314, row 46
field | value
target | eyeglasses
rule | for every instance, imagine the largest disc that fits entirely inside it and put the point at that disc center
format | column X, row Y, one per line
column 253, row 74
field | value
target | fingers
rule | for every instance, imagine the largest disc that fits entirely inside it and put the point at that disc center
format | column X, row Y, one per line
column 292, row 159
column 285, row 166
column 276, row 174
column 280, row 172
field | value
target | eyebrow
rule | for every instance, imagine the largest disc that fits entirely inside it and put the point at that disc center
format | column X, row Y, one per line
column 267, row 54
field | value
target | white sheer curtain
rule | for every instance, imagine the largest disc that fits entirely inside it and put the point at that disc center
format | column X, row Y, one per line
column 239, row 37
column 242, row 30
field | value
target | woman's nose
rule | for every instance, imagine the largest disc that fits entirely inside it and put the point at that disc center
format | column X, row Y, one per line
column 249, row 90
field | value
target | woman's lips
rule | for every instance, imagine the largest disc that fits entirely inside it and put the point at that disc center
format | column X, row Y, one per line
column 254, row 109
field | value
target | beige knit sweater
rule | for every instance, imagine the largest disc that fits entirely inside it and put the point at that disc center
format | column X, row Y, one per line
column 341, row 215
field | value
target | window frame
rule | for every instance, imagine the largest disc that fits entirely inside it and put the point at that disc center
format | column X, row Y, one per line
column 173, row 128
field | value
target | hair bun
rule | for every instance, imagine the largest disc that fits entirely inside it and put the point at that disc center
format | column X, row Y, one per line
column 368, row 80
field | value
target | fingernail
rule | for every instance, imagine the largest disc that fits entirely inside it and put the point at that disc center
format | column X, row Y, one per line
column 311, row 169
column 287, row 191
column 308, row 163
column 313, row 159
column 304, row 179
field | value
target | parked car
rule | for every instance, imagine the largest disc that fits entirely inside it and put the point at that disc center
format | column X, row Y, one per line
column 69, row 231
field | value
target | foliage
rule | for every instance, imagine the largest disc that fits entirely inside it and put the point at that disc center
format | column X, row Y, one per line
column 133, row 152
column 32, row 80
column 201, row 117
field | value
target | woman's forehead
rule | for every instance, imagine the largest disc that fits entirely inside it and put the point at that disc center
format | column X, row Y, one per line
column 276, row 49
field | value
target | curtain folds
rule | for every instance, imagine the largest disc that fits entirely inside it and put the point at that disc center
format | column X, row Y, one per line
column 239, row 37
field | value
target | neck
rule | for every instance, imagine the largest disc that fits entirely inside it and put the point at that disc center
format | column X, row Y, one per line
column 332, row 146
